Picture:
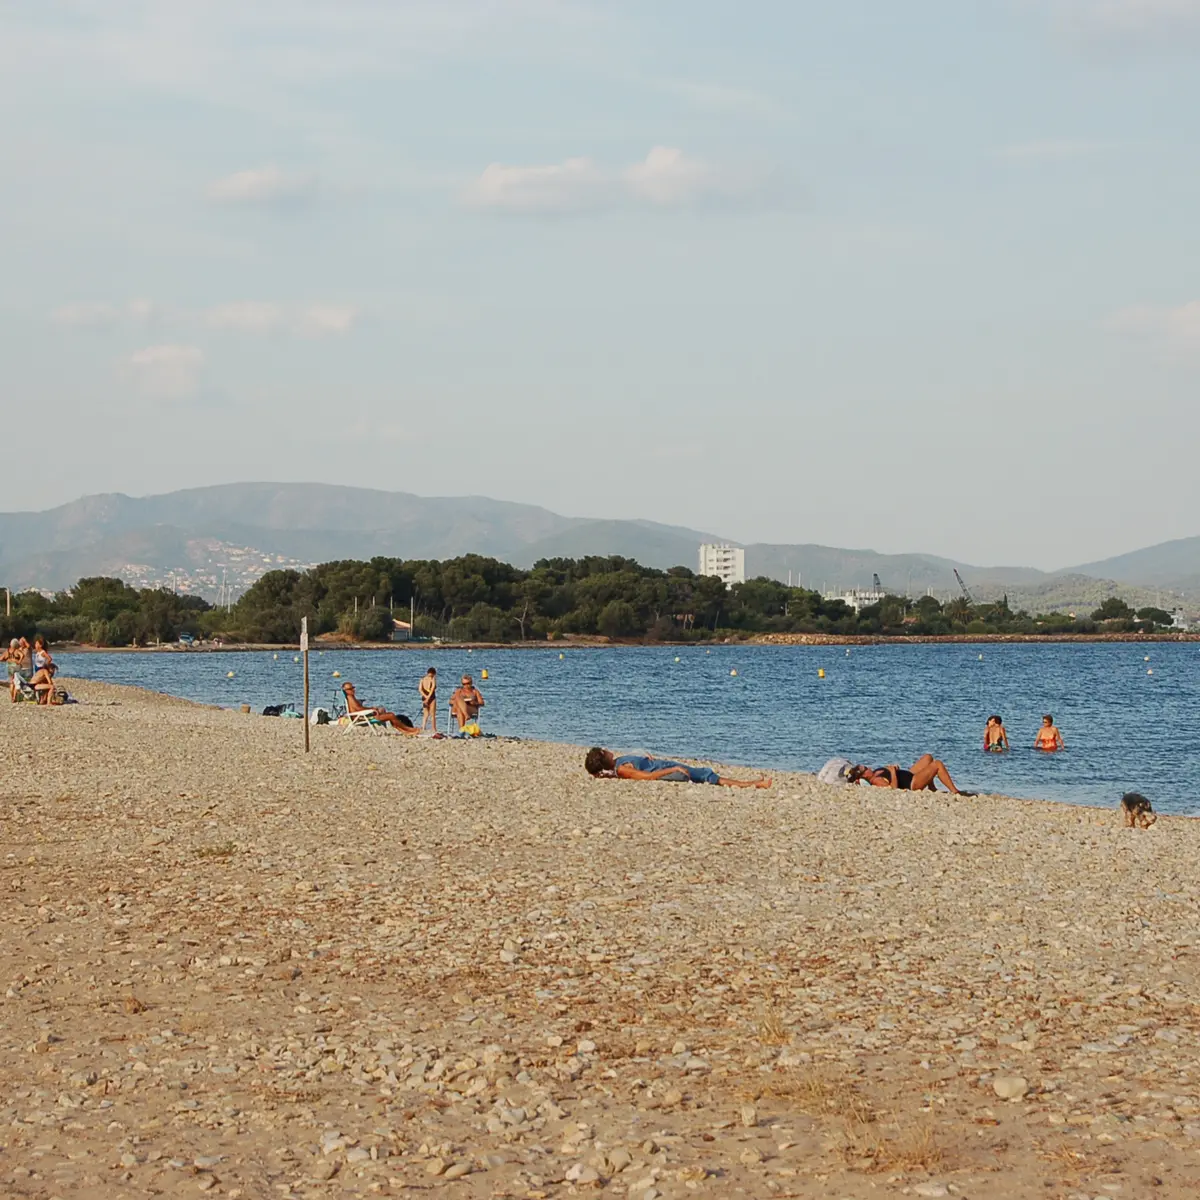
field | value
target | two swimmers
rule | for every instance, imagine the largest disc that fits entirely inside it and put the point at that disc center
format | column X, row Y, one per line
column 995, row 737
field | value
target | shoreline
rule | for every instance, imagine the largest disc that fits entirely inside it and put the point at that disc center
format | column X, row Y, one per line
column 392, row 964
column 581, row 643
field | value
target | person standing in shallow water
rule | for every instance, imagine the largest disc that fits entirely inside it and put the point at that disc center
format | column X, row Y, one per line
column 995, row 738
column 1048, row 737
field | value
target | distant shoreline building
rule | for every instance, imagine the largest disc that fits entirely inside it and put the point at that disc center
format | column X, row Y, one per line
column 726, row 562
column 858, row 598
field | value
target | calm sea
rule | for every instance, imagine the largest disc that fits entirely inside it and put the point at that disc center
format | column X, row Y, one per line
column 1129, row 723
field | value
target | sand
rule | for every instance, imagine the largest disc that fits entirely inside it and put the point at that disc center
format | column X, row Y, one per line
column 401, row 967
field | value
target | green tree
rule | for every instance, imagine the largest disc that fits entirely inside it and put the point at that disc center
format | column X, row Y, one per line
column 1113, row 609
column 617, row 619
column 1156, row 616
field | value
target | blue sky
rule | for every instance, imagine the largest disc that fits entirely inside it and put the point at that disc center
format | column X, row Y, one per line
column 912, row 276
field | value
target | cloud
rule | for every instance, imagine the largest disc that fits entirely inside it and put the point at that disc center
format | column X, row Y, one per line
column 166, row 372
column 86, row 316
column 1051, row 150
column 320, row 320
column 669, row 178
column 246, row 316
column 575, row 185
column 1130, row 24
column 264, row 186
column 1173, row 329
column 719, row 99
column 666, row 178
column 107, row 316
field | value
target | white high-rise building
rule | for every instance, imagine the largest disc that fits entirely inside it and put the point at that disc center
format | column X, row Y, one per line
column 727, row 563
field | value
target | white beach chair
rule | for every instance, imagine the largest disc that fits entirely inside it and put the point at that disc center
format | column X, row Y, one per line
column 364, row 719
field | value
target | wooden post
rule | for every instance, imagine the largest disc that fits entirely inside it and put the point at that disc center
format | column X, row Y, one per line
column 304, row 651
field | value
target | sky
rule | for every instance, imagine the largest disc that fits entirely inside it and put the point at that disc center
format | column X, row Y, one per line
column 918, row 276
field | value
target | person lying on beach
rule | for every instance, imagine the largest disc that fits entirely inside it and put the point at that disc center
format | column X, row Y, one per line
column 995, row 738
column 603, row 764
column 919, row 778
column 465, row 702
column 1048, row 737
column 354, row 705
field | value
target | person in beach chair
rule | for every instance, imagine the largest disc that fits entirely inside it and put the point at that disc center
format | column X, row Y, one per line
column 603, row 764
column 919, row 777
column 354, row 705
column 465, row 703
column 44, row 670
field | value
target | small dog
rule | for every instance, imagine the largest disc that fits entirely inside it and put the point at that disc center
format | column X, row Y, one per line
column 1137, row 810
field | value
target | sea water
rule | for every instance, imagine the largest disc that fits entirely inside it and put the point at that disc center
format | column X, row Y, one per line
column 1128, row 723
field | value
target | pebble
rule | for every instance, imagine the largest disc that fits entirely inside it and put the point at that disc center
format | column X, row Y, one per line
column 338, row 995
column 1010, row 1087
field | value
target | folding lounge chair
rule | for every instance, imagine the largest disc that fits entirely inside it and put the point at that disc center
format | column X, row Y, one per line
column 364, row 720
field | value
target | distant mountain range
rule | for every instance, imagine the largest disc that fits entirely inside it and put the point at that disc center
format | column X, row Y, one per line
column 202, row 538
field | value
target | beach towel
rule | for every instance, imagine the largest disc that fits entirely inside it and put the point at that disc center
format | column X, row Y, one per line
column 835, row 771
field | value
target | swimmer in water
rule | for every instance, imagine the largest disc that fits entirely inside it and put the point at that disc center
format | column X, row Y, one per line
column 995, row 738
column 1048, row 737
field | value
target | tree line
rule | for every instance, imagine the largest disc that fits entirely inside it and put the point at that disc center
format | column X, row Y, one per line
column 477, row 599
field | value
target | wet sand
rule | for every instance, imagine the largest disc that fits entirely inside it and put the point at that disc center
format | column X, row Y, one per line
column 398, row 967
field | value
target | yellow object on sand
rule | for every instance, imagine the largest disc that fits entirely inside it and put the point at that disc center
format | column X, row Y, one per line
column 472, row 730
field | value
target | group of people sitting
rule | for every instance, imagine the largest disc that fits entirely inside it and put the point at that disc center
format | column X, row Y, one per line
column 465, row 703
column 31, row 671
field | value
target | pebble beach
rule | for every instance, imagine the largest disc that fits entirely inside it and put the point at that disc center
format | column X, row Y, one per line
column 397, row 966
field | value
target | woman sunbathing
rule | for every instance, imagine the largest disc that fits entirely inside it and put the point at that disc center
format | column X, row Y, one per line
column 920, row 778
column 603, row 764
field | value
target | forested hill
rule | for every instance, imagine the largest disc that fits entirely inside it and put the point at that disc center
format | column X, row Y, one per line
column 476, row 599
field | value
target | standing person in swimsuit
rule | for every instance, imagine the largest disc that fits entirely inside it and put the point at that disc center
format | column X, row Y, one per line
column 995, row 738
column 428, row 690
column 603, row 764
column 1048, row 737
column 920, row 778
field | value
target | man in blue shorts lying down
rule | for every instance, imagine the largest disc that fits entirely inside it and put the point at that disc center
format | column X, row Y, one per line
column 603, row 764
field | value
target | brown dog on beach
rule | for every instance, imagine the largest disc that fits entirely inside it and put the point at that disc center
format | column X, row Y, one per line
column 1137, row 810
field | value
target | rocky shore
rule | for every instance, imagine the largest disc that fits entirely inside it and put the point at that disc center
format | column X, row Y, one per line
column 404, row 967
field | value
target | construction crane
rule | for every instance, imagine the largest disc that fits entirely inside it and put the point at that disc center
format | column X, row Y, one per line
column 965, row 591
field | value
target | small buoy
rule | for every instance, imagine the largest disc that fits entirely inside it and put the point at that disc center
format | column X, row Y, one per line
column 562, row 655
column 275, row 657
column 1146, row 659
column 733, row 672
column 483, row 673
column 228, row 674
column 847, row 653
column 337, row 674
column 820, row 672
column 981, row 658
column 295, row 658
column 1149, row 670
column 677, row 658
